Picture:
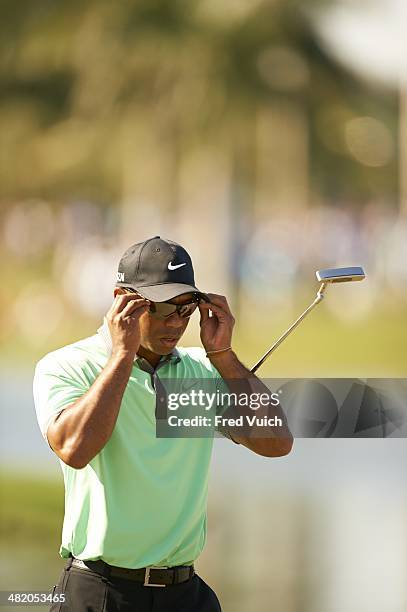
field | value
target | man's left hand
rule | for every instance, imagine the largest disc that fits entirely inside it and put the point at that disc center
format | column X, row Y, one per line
column 216, row 330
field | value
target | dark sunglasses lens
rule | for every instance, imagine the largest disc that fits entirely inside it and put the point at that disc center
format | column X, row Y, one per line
column 161, row 310
column 186, row 310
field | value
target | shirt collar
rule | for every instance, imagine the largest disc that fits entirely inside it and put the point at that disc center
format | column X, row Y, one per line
column 104, row 333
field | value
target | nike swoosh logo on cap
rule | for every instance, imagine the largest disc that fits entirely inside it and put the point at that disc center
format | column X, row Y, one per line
column 171, row 267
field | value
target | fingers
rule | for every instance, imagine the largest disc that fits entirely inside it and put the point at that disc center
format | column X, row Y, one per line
column 221, row 301
column 123, row 305
column 218, row 311
column 204, row 313
column 135, row 308
column 122, row 299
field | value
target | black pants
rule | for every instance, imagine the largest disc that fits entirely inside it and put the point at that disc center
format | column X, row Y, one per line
column 87, row 591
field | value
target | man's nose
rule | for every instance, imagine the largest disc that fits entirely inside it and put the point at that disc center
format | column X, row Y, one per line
column 174, row 321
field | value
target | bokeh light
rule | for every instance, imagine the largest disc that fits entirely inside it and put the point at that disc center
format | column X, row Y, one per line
column 369, row 141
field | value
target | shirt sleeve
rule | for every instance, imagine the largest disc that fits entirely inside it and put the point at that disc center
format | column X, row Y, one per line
column 55, row 386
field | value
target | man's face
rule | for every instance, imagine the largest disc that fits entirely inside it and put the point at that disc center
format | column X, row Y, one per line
column 161, row 335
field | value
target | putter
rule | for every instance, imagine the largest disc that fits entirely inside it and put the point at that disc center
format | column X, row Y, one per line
column 325, row 277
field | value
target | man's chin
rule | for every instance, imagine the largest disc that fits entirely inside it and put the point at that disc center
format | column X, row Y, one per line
column 167, row 345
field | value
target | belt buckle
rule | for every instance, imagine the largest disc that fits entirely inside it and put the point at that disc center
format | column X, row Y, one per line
column 147, row 576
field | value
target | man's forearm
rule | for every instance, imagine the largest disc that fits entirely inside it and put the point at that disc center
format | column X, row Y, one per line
column 82, row 429
column 269, row 441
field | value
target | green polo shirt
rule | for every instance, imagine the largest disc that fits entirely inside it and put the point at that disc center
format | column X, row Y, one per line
column 141, row 500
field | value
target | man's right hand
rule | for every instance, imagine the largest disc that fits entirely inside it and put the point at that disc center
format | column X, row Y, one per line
column 123, row 319
column 81, row 430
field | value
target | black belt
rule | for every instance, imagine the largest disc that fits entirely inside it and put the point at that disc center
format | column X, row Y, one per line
column 148, row 576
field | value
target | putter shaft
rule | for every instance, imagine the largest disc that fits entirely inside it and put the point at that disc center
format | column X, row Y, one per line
column 325, row 277
column 318, row 298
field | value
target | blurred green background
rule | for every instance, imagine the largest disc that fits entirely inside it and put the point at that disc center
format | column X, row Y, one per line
column 270, row 139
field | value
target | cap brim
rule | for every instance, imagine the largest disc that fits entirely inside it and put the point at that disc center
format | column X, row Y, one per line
column 164, row 292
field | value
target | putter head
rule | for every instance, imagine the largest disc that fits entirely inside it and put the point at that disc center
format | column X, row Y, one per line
column 340, row 275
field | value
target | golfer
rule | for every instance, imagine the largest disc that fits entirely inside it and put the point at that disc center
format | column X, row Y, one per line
column 135, row 503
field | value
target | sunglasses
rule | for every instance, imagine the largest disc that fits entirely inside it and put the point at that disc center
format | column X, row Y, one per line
column 162, row 310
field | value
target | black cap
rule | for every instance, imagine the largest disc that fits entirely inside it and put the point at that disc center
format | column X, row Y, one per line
column 160, row 269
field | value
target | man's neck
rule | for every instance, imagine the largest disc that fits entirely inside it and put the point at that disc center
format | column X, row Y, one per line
column 151, row 357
